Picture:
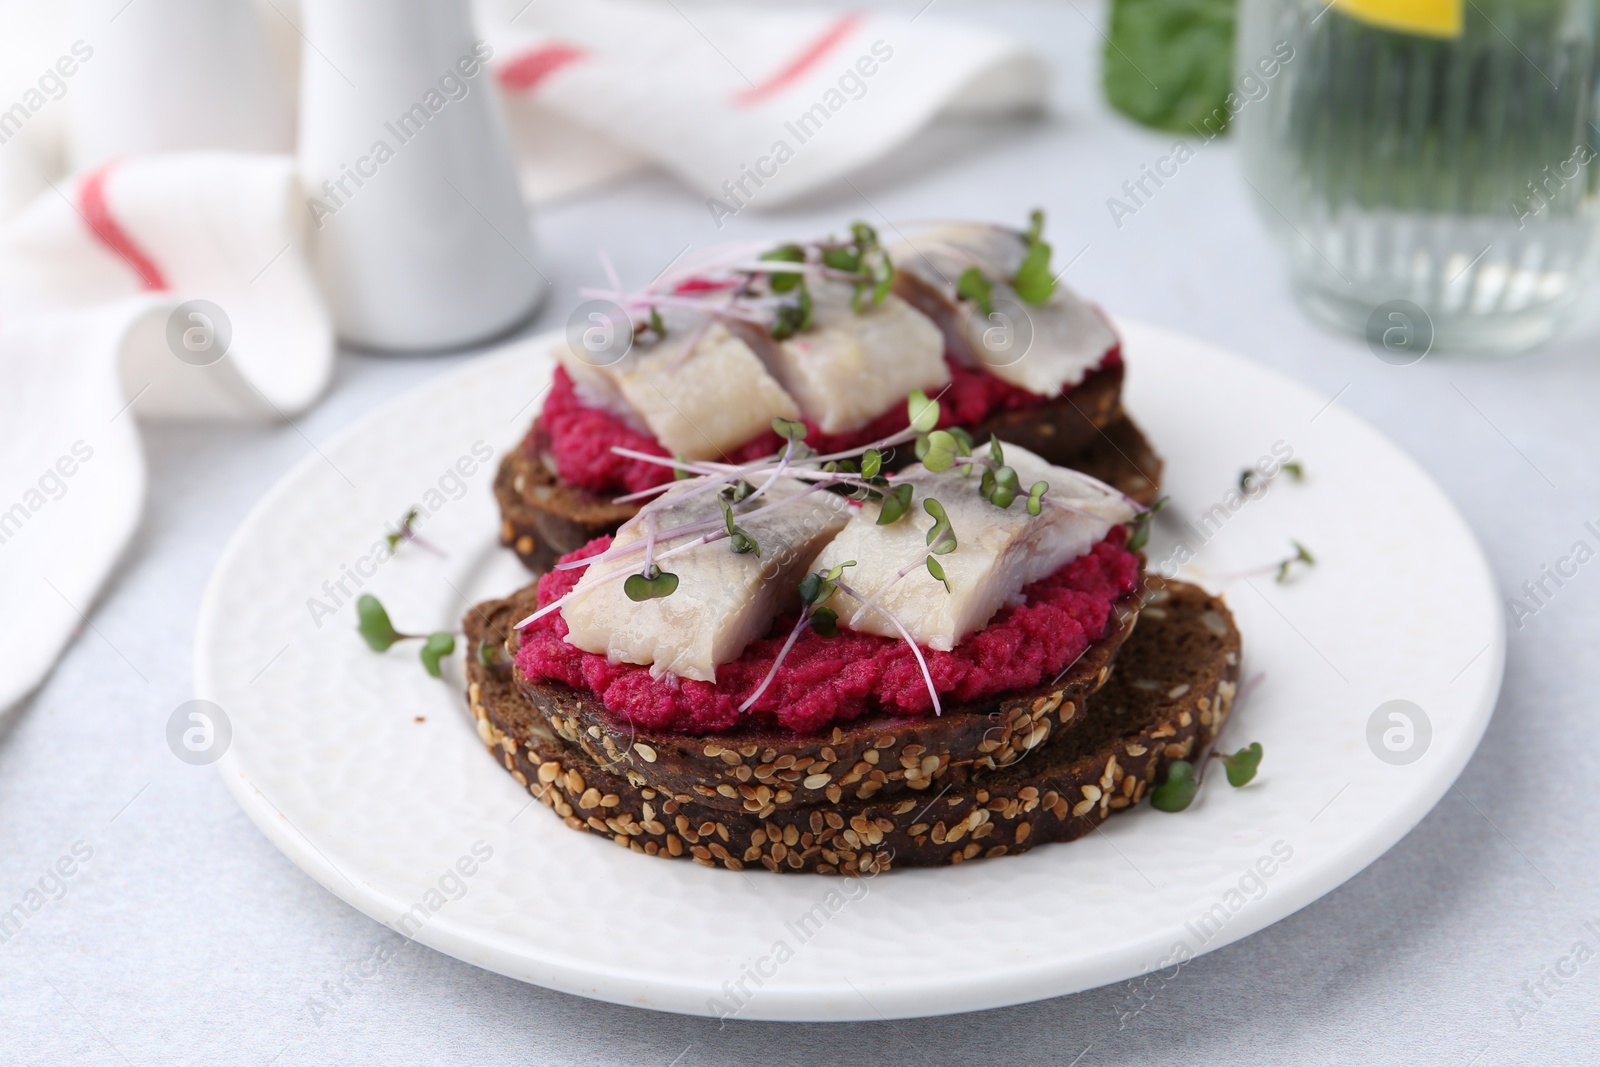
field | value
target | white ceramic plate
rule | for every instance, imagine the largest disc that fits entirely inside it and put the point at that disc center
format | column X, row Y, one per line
column 369, row 775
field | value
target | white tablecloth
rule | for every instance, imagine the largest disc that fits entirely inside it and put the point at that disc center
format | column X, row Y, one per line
column 186, row 938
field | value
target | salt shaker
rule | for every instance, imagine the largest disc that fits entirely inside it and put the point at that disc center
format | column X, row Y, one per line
column 415, row 220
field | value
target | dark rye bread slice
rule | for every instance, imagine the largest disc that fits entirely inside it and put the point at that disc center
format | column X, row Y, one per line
column 1174, row 685
column 762, row 769
column 542, row 518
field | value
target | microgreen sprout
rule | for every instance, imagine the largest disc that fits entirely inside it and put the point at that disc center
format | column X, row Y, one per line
column 921, row 413
column 738, row 538
column 406, row 532
column 1250, row 477
column 815, row 590
column 1036, row 494
column 1241, row 765
column 1033, row 281
column 788, row 429
column 1139, row 535
column 653, row 584
column 372, row 622
column 1301, row 556
column 1179, row 788
column 434, row 648
column 896, row 502
column 973, row 286
column 1182, row 783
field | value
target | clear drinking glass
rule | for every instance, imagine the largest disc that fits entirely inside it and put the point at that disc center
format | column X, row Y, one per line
column 1450, row 171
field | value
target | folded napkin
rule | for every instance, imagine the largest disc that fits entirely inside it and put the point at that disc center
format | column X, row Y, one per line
column 96, row 328
column 751, row 108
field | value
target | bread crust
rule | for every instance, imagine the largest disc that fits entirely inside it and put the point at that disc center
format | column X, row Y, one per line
column 761, row 770
column 1133, row 728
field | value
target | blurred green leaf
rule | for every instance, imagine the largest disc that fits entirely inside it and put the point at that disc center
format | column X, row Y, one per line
column 1169, row 63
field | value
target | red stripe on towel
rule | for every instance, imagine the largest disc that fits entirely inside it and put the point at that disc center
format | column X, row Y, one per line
column 797, row 67
column 529, row 69
column 97, row 214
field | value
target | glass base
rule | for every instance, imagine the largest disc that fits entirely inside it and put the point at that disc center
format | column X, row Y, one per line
column 1376, row 321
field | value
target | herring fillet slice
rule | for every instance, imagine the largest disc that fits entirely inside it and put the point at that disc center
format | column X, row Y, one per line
column 999, row 550
column 700, row 404
column 851, row 367
column 1051, row 346
column 723, row 601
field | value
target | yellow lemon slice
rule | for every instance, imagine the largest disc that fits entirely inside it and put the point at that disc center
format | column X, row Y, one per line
column 1429, row 18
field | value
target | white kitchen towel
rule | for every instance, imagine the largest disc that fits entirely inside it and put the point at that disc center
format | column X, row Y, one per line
column 164, row 286
column 749, row 107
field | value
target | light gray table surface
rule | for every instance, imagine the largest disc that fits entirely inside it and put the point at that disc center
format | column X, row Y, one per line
column 188, row 938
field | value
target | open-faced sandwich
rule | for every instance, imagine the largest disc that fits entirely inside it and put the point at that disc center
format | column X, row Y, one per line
column 820, row 653
column 832, row 334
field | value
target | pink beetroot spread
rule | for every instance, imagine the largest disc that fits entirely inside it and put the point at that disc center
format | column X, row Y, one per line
column 825, row 680
column 580, row 438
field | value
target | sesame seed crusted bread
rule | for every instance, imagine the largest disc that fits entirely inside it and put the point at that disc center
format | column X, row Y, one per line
column 1173, row 687
column 542, row 518
column 760, row 770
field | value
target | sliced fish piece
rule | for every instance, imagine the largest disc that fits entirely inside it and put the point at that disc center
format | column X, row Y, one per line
column 1043, row 348
column 999, row 550
column 723, row 600
column 851, row 367
column 700, row 403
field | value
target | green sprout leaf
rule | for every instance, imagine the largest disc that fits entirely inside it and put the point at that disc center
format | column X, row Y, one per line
column 374, row 625
column 1242, row 765
column 896, row 502
column 995, row 452
column 788, row 429
column 793, row 318
column 846, row 257
column 963, row 440
column 436, row 647
column 1178, row 791
column 1296, row 471
column 938, row 450
column 657, row 327
column 882, row 279
column 922, row 413
column 488, row 655
column 652, row 585
column 871, row 463
column 825, row 621
column 938, row 572
column 1247, row 476
column 394, row 539
column 973, row 286
column 864, row 235
column 1000, row 486
column 1036, row 494
column 738, row 537
column 941, row 537
column 1301, row 555
column 1139, row 536
column 737, row 491
column 678, row 473
column 817, row 589
column 784, row 281
column 1034, row 282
